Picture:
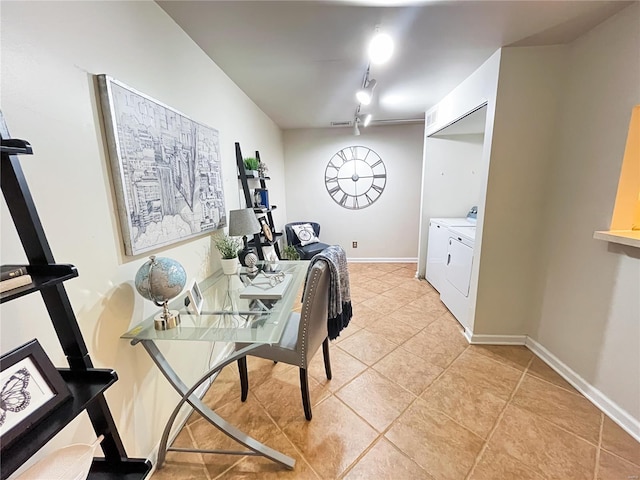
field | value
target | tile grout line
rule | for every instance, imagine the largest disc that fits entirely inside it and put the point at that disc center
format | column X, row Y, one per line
column 193, row 442
column 497, row 422
column 597, row 462
column 281, row 430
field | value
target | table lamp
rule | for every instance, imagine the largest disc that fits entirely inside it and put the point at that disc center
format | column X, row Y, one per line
column 243, row 222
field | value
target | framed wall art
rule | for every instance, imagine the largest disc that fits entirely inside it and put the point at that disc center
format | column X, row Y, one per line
column 31, row 389
column 166, row 169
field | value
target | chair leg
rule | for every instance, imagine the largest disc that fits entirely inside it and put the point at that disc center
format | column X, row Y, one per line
column 327, row 360
column 244, row 378
column 304, row 386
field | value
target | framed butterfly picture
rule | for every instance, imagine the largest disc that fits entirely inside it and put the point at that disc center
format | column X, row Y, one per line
column 30, row 388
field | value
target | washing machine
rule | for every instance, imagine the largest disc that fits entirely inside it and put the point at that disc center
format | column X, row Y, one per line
column 457, row 277
column 438, row 244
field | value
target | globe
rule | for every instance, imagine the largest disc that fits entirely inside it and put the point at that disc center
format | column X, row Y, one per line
column 160, row 279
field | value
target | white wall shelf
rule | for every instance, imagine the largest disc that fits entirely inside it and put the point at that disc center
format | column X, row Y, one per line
column 623, row 237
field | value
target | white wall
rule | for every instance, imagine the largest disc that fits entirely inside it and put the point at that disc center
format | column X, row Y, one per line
column 454, row 169
column 529, row 91
column 387, row 229
column 590, row 307
column 50, row 52
column 478, row 89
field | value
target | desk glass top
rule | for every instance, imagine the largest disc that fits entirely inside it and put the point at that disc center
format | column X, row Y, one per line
column 227, row 317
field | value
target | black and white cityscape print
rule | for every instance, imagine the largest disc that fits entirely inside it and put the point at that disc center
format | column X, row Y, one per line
column 167, row 169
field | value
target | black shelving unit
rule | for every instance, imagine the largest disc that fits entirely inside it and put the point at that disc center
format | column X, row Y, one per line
column 259, row 240
column 87, row 384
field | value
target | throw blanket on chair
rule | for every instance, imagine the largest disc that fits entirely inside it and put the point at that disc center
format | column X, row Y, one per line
column 340, row 311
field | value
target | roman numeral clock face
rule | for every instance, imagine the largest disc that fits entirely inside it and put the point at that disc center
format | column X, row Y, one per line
column 355, row 177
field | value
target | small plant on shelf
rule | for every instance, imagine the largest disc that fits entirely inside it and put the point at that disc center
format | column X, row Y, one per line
column 227, row 246
column 251, row 165
column 290, row 253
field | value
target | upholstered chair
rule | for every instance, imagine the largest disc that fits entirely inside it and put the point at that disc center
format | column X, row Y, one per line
column 303, row 335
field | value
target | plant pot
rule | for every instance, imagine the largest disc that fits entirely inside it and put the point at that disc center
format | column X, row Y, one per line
column 252, row 173
column 229, row 265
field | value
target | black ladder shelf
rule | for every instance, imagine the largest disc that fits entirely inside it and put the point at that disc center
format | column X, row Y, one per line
column 87, row 384
column 259, row 240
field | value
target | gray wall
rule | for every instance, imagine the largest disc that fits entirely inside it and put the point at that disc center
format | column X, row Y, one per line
column 387, row 229
column 590, row 302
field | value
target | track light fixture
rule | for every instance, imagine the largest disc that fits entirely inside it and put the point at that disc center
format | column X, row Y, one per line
column 365, row 119
column 365, row 94
column 380, row 50
column 380, row 47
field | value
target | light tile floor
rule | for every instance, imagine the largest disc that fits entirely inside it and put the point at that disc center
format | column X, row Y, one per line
column 409, row 399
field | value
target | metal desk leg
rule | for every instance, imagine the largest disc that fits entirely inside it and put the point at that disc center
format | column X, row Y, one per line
column 225, row 427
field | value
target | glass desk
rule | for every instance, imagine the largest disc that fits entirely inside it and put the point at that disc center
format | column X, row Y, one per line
column 229, row 318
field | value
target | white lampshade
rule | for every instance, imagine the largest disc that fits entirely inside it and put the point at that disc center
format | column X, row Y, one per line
column 380, row 48
column 243, row 222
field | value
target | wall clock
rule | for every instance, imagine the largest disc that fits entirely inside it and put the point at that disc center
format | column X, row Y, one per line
column 355, row 177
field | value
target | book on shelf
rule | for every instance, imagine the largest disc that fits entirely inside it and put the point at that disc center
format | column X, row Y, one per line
column 11, row 283
column 261, row 197
column 12, row 271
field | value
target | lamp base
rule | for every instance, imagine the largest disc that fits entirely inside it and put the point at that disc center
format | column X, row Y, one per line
column 243, row 253
column 166, row 321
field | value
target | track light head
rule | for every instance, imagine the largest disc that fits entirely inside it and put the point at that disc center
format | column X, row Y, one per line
column 356, row 130
column 380, row 48
column 364, row 119
column 365, row 94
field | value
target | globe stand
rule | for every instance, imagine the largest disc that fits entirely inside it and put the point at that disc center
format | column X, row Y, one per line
column 167, row 319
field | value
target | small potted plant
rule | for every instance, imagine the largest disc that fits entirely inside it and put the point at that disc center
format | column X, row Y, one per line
column 290, row 253
column 251, row 166
column 228, row 248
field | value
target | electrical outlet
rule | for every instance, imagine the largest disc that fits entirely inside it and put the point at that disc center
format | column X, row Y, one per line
column 354, row 244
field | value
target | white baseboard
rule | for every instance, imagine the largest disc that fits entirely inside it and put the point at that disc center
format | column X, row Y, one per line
column 382, row 260
column 599, row 399
column 478, row 339
column 186, row 411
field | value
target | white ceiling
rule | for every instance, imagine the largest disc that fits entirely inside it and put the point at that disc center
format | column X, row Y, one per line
column 301, row 62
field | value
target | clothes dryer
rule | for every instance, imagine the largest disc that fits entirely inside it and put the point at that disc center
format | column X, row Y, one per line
column 437, row 247
column 458, row 266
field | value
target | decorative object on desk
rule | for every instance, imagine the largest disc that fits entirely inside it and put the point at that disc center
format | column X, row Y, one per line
column 250, row 261
column 266, row 229
column 31, row 389
column 251, row 166
column 15, row 282
column 160, row 279
column 290, row 253
column 229, row 247
column 261, row 198
column 68, row 463
column 194, row 299
column 167, row 189
column 12, row 271
column 243, row 222
column 267, row 286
